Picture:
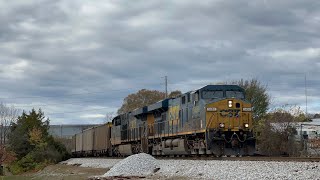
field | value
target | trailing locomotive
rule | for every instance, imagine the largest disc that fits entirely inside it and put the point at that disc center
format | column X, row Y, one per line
column 215, row 119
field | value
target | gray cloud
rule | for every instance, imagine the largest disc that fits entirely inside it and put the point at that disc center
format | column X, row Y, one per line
column 67, row 56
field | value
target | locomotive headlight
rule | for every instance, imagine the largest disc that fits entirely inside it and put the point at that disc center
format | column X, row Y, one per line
column 246, row 125
column 230, row 103
column 221, row 125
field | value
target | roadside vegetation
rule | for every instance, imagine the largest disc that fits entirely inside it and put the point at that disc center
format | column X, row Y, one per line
column 277, row 131
column 32, row 145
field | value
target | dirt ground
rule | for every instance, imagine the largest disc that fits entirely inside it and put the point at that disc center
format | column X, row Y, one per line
column 60, row 172
column 68, row 172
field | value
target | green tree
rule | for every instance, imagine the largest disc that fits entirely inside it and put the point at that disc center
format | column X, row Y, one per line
column 143, row 98
column 30, row 141
column 19, row 136
column 257, row 94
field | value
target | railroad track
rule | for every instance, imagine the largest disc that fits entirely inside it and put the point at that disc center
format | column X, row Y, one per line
column 246, row 158
column 243, row 158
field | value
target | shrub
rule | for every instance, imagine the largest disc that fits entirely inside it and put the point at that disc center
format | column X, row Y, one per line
column 25, row 164
column 277, row 132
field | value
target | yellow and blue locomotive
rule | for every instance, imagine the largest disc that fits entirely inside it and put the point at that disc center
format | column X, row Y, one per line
column 212, row 120
column 215, row 119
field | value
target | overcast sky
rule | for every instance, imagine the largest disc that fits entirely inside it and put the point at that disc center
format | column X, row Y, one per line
column 78, row 59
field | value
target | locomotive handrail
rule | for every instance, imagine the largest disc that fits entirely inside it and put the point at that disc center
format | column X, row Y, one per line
column 227, row 140
column 245, row 138
column 237, row 138
column 210, row 120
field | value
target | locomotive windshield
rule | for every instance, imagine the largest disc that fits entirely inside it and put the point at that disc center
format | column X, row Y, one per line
column 235, row 94
column 212, row 94
column 220, row 94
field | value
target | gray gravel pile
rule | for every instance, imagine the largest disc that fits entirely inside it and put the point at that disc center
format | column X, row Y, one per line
column 136, row 165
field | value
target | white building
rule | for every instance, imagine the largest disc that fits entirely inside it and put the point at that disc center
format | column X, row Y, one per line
column 309, row 130
column 308, row 133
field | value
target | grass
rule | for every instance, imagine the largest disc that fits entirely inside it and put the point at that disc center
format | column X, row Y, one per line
column 58, row 172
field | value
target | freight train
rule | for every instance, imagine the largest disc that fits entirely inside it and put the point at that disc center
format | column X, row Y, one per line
column 212, row 120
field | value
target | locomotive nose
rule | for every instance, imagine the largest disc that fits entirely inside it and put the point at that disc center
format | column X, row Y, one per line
column 227, row 114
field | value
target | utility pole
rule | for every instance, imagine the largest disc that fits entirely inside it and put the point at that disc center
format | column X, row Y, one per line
column 306, row 93
column 166, row 84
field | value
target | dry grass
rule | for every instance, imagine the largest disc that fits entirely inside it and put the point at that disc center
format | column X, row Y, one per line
column 60, row 172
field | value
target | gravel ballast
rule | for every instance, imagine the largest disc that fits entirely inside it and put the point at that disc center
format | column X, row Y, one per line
column 215, row 169
column 136, row 165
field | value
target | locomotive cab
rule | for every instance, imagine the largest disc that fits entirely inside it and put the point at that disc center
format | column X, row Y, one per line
column 228, row 121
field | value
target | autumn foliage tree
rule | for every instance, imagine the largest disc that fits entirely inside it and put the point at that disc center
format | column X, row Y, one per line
column 143, row 98
column 174, row 93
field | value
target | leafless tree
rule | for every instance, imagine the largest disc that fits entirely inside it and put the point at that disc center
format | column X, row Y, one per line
column 8, row 115
column 110, row 116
